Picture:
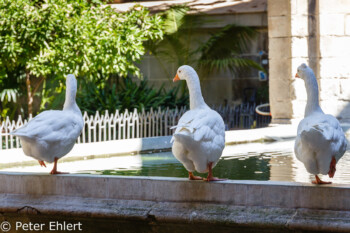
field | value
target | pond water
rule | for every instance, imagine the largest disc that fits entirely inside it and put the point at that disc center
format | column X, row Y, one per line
column 254, row 161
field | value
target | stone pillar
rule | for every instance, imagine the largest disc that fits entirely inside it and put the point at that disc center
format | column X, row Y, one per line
column 279, row 27
column 288, row 48
column 316, row 32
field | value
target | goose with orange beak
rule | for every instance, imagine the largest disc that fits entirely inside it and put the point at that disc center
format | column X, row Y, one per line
column 320, row 141
column 199, row 138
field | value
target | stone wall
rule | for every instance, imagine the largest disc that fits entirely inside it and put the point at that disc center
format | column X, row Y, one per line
column 317, row 33
column 335, row 57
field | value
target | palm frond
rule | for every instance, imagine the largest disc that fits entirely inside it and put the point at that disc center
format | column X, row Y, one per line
column 227, row 63
column 10, row 94
column 231, row 39
column 221, row 51
column 174, row 18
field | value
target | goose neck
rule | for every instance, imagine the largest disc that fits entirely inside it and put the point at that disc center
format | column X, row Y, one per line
column 70, row 103
column 196, row 98
column 312, row 104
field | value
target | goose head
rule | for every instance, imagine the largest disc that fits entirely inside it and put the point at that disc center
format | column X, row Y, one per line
column 185, row 72
column 304, row 72
column 71, row 91
column 188, row 74
column 71, row 82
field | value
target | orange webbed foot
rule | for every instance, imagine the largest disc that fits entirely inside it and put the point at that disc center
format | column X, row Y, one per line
column 57, row 172
column 54, row 169
column 42, row 163
column 319, row 181
column 210, row 174
column 193, row 177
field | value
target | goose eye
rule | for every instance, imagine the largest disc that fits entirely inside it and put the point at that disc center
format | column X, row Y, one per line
column 179, row 71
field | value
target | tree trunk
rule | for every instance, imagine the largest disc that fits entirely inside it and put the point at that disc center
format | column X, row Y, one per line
column 29, row 93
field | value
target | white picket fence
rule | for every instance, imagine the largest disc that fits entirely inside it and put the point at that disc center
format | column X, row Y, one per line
column 108, row 126
column 125, row 125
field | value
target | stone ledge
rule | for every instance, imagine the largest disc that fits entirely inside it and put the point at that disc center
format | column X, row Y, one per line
column 147, row 216
column 165, row 189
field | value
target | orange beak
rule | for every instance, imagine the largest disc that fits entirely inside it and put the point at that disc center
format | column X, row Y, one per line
column 176, row 78
column 297, row 75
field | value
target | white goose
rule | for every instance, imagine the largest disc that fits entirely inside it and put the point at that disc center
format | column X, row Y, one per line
column 199, row 138
column 52, row 134
column 320, row 141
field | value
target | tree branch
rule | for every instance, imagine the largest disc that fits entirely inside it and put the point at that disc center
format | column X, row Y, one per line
column 38, row 85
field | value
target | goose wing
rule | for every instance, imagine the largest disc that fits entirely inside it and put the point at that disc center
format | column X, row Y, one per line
column 201, row 126
column 52, row 125
column 325, row 134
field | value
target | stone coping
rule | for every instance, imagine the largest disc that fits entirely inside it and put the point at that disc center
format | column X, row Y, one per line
column 111, row 215
column 164, row 189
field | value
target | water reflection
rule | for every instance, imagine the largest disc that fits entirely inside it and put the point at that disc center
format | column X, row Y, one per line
column 255, row 161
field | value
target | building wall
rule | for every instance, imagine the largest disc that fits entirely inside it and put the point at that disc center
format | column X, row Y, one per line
column 316, row 32
column 334, row 68
column 217, row 88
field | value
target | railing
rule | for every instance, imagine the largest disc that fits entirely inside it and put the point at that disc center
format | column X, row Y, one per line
column 116, row 126
column 242, row 116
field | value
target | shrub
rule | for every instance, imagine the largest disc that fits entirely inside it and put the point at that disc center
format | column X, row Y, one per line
column 127, row 94
column 52, row 38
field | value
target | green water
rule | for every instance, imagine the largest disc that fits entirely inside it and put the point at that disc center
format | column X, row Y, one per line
column 165, row 164
column 254, row 161
column 276, row 165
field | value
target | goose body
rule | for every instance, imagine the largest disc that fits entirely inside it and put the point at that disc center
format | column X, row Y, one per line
column 320, row 141
column 52, row 134
column 199, row 138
